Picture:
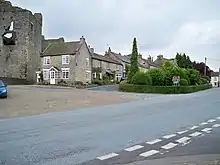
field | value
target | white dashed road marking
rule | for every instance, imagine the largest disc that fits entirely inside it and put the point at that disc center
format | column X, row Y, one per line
column 207, row 130
column 134, row 148
column 216, row 125
column 204, row 123
column 149, row 153
column 195, row 134
column 169, row 146
column 183, row 140
column 211, row 120
column 182, row 132
column 169, row 136
column 154, row 141
column 194, row 127
column 107, row 156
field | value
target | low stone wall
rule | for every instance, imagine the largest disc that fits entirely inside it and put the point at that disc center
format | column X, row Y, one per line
column 15, row 81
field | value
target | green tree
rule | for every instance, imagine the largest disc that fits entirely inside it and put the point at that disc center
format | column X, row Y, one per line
column 134, row 62
column 127, row 69
column 141, row 78
column 157, row 75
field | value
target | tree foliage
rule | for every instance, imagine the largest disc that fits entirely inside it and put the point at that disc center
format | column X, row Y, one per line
column 134, row 61
column 141, row 78
column 157, row 75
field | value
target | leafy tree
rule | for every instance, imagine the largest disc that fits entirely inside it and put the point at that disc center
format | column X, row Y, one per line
column 127, row 69
column 141, row 78
column 157, row 75
column 134, row 61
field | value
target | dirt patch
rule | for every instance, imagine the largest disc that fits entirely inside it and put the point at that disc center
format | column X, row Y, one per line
column 25, row 101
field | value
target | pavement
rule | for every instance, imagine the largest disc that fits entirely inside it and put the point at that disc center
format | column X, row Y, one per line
column 166, row 127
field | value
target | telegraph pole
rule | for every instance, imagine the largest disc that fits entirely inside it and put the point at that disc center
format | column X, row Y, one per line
column 205, row 67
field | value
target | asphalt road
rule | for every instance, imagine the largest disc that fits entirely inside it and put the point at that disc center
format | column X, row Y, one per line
column 102, row 134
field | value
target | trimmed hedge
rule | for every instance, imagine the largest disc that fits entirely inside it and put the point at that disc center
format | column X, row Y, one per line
column 163, row 89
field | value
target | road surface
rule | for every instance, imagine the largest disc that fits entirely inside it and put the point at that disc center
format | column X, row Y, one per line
column 111, row 134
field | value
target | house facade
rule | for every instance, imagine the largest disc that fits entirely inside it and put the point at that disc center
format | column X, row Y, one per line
column 215, row 79
column 102, row 65
column 66, row 61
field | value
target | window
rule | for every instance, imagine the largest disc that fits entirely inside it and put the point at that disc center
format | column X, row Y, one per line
column 65, row 73
column 47, row 60
column 87, row 62
column 65, row 59
column 215, row 79
column 45, row 74
column 94, row 75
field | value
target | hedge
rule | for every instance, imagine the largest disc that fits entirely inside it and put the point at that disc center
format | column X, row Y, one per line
column 163, row 89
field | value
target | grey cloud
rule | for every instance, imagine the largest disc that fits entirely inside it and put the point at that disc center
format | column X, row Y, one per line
column 155, row 23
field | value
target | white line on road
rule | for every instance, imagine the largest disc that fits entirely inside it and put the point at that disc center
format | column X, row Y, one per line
column 216, row 125
column 169, row 146
column 195, row 134
column 111, row 155
column 134, row 148
column 194, row 127
column 211, row 120
column 207, row 130
column 154, row 141
column 149, row 153
column 218, row 118
column 204, row 123
column 169, row 136
column 182, row 132
column 183, row 140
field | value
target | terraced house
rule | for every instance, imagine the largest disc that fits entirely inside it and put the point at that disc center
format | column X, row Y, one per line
column 102, row 65
column 66, row 61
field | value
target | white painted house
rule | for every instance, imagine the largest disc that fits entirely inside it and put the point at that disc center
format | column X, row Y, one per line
column 215, row 79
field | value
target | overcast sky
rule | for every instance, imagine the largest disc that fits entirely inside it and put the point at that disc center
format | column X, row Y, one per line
column 160, row 26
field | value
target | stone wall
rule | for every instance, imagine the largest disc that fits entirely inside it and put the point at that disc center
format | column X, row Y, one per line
column 22, row 60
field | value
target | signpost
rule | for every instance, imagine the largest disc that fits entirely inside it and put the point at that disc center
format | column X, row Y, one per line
column 176, row 80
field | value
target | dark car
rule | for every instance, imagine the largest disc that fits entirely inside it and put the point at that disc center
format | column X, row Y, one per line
column 3, row 89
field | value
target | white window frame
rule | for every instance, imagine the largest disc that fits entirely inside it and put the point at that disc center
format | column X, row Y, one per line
column 47, row 60
column 47, row 75
column 65, row 59
column 64, row 71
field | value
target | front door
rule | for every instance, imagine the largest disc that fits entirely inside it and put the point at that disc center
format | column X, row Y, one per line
column 52, row 77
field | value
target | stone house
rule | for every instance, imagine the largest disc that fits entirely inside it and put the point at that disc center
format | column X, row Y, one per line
column 161, row 60
column 102, row 65
column 215, row 79
column 20, row 44
column 66, row 61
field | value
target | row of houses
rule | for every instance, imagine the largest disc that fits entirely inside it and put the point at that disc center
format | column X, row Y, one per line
column 77, row 61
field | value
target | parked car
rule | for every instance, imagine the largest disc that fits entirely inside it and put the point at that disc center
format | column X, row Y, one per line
column 3, row 89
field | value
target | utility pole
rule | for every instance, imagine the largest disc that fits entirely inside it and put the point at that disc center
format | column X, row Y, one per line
column 205, row 67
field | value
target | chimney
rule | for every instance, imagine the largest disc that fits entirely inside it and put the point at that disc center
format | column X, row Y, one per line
column 159, row 57
column 109, row 49
column 82, row 40
column 91, row 50
column 149, row 58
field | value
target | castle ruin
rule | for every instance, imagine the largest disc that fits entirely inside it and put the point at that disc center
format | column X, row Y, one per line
column 20, row 44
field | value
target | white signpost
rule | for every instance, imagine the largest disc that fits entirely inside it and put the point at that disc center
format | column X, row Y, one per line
column 176, row 80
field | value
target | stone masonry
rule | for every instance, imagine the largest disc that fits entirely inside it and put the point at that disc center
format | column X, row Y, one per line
column 22, row 60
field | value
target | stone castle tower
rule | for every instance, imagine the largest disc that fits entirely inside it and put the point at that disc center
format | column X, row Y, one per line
column 20, row 54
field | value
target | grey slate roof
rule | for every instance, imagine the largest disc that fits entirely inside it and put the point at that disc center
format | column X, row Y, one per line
column 122, row 58
column 62, row 48
column 104, row 58
column 215, row 74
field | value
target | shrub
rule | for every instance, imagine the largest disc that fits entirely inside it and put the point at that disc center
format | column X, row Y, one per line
column 157, row 75
column 141, row 78
column 194, row 76
column 204, row 81
column 123, row 82
column 207, row 78
column 184, row 82
column 163, row 89
column 98, row 82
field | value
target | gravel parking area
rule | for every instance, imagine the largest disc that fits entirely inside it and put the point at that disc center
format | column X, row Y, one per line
column 32, row 100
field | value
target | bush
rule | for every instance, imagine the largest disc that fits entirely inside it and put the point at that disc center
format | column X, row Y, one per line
column 204, row 81
column 207, row 78
column 163, row 89
column 123, row 82
column 98, row 82
column 157, row 75
column 184, row 82
column 141, row 78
